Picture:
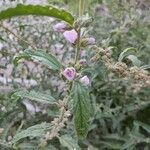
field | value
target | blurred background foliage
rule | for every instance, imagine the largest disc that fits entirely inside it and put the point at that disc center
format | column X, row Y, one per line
column 121, row 119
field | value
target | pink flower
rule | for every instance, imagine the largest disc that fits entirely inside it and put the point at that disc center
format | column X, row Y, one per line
column 71, row 36
column 91, row 41
column 85, row 81
column 69, row 73
column 59, row 27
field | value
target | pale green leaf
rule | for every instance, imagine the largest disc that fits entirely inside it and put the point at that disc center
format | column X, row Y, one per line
column 112, row 145
column 35, row 96
column 69, row 142
column 143, row 125
column 33, row 131
column 51, row 11
column 81, row 109
column 46, row 58
column 135, row 61
column 126, row 52
column 145, row 67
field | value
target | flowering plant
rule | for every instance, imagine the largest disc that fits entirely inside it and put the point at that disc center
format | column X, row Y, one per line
column 89, row 79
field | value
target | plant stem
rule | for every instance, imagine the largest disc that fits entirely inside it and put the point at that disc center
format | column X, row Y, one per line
column 81, row 11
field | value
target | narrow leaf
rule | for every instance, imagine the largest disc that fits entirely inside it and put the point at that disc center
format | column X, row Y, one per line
column 51, row 11
column 33, row 131
column 35, row 96
column 81, row 110
column 126, row 52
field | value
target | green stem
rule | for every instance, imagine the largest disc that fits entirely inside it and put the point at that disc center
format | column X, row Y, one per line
column 81, row 11
column 77, row 48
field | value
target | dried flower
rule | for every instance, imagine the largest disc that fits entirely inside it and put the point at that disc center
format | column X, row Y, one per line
column 59, row 27
column 85, row 81
column 71, row 36
column 69, row 73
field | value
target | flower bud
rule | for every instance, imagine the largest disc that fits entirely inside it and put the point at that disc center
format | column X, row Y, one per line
column 85, row 81
column 82, row 61
column 71, row 36
column 87, row 41
column 59, row 27
column 69, row 73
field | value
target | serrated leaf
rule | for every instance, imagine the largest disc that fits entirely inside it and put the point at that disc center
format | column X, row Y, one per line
column 126, row 52
column 47, row 59
column 81, row 110
column 69, row 142
column 135, row 61
column 51, row 11
column 35, row 96
column 33, row 131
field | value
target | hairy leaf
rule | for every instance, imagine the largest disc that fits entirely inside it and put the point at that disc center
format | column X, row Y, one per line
column 69, row 142
column 135, row 61
column 143, row 125
column 45, row 58
column 33, row 131
column 35, row 96
column 126, row 52
column 81, row 109
column 146, row 67
column 51, row 11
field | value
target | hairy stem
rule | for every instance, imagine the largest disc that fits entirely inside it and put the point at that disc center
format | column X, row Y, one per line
column 81, row 11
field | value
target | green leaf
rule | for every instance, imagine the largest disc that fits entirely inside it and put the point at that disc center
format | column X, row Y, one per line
column 21, row 56
column 33, row 131
column 145, row 67
column 81, row 110
column 69, row 142
column 111, row 145
column 51, row 11
column 135, row 61
column 143, row 125
column 126, row 52
column 35, row 96
column 45, row 58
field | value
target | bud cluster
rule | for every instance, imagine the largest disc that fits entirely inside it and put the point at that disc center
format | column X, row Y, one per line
column 140, row 76
column 57, row 123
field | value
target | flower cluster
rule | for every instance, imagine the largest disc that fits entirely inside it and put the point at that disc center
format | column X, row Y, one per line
column 71, row 35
